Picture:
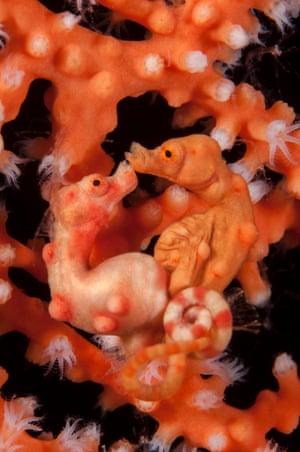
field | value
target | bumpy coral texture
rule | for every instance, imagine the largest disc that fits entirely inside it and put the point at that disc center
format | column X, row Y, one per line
column 143, row 284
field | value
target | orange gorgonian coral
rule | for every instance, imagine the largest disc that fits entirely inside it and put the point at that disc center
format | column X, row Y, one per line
column 149, row 177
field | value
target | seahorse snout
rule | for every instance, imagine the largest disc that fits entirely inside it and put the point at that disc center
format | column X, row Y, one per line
column 136, row 156
column 125, row 177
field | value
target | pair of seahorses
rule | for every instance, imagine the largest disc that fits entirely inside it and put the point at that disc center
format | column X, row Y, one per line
column 175, row 296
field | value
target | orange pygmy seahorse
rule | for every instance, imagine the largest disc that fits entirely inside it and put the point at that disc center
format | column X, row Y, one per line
column 205, row 249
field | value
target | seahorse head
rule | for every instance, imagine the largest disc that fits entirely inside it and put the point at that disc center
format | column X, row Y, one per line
column 192, row 162
column 94, row 197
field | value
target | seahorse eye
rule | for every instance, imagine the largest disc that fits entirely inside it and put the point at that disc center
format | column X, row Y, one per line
column 168, row 153
column 96, row 182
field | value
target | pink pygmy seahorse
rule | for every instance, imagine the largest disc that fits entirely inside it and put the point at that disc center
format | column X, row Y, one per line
column 111, row 298
column 205, row 249
column 125, row 295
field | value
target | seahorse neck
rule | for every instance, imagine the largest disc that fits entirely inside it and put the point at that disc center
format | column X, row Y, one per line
column 73, row 247
column 219, row 192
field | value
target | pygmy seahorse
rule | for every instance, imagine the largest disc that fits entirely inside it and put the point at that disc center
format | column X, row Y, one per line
column 205, row 249
column 111, row 298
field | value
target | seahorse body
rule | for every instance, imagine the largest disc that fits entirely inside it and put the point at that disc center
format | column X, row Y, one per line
column 120, row 295
column 205, row 249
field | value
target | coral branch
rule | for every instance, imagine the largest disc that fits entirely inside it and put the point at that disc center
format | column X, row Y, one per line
column 130, row 287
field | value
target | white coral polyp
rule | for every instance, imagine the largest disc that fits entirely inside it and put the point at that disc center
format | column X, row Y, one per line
column 9, row 166
column 152, row 371
column 18, row 416
column 222, row 137
column 224, row 90
column 240, row 167
column 154, row 64
column 60, row 352
column 217, row 442
column 283, row 11
column 39, row 46
column 69, row 20
column 74, row 439
column 7, row 254
column 283, row 364
column 203, row 13
column 195, row 61
column 206, row 399
column 5, row 291
column 12, row 77
column 258, row 189
column 237, row 37
column 278, row 135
